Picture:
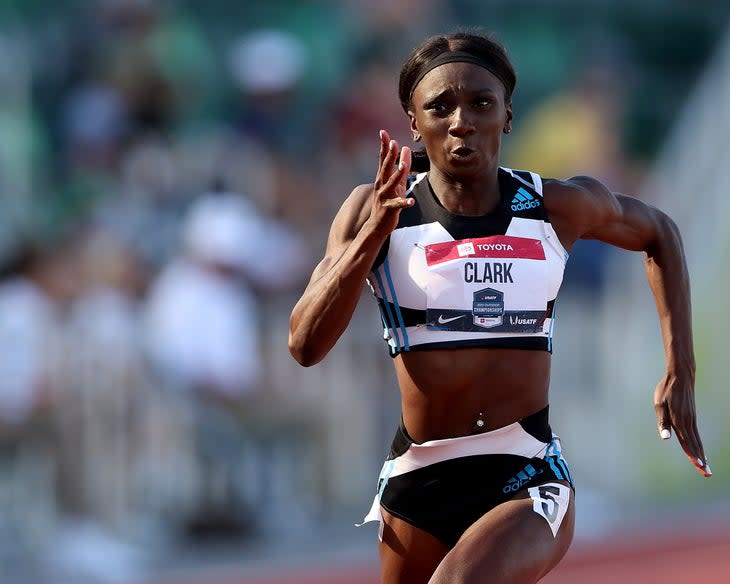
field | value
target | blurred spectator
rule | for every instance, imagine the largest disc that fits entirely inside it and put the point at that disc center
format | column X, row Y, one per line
column 134, row 70
column 268, row 66
column 202, row 330
column 36, row 287
column 356, row 121
column 185, row 58
column 218, row 155
column 95, row 123
column 145, row 205
column 94, row 419
column 29, row 319
column 201, row 312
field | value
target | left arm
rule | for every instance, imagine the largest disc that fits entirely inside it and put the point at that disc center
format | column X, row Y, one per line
column 586, row 209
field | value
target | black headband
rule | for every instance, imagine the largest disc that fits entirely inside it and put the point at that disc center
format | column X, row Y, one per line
column 456, row 57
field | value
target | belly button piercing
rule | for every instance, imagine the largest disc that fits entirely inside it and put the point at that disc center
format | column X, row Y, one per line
column 480, row 423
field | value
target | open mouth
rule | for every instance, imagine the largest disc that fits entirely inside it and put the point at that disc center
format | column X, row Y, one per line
column 462, row 152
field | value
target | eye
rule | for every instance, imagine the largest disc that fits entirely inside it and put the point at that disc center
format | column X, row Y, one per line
column 437, row 106
column 483, row 102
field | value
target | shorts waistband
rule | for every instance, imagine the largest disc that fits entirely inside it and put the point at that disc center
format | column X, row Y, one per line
column 511, row 440
column 536, row 425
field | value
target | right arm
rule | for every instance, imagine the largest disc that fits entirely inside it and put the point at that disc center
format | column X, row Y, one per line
column 357, row 233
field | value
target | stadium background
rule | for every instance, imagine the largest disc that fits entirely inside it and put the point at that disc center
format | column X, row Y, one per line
column 123, row 126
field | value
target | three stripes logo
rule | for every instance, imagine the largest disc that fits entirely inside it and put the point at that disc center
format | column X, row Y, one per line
column 516, row 482
column 524, row 201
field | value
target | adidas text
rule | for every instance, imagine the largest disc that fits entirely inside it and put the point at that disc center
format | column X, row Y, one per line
column 522, row 477
column 524, row 206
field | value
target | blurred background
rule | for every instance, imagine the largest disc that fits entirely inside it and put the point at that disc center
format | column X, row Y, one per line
column 155, row 156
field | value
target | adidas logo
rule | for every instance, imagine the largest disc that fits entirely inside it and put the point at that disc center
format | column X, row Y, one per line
column 524, row 201
column 516, row 482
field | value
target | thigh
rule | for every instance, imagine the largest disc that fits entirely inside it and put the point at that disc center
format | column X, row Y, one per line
column 408, row 555
column 511, row 544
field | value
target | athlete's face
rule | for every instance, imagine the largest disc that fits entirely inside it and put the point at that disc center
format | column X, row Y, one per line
column 460, row 111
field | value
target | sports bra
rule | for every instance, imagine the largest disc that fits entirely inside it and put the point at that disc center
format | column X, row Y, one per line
column 444, row 280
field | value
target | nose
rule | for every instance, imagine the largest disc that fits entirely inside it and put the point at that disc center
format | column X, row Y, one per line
column 461, row 122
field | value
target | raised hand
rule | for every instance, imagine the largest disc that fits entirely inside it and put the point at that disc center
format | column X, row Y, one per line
column 390, row 184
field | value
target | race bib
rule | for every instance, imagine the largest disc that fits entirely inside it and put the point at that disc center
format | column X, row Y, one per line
column 495, row 284
column 550, row 500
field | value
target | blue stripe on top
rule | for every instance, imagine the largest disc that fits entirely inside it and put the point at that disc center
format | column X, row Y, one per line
column 395, row 321
column 388, row 314
column 401, row 323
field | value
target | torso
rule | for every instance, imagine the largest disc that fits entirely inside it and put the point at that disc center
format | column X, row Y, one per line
column 443, row 391
column 491, row 355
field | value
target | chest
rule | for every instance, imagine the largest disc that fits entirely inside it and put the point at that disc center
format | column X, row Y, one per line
column 521, row 266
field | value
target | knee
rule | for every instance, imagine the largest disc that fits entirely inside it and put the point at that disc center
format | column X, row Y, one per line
column 495, row 564
column 458, row 568
column 450, row 573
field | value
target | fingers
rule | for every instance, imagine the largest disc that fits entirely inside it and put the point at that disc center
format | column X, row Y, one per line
column 387, row 157
column 384, row 147
column 663, row 421
column 685, row 429
column 396, row 184
column 392, row 177
column 701, row 465
column 405, row 160
column 691, row 443
column 390, row 161
column 394, row 167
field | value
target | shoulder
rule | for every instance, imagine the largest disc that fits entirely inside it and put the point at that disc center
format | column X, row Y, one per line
column 577, row 205
column 575, row 194
column 523, row 178
column 352, row 214
column 358, row 198
column 584, row 208
column 356, row 203
column 569, row 197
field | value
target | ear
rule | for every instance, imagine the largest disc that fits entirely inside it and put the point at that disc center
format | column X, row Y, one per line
column 414, row 127
column 508, row 121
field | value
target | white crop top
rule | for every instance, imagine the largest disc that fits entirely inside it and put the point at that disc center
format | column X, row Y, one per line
column 446, row 281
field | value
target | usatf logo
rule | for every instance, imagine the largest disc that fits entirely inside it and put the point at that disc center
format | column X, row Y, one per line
column 524, row 201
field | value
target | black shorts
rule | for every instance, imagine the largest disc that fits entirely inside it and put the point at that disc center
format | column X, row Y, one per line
column 444, row 486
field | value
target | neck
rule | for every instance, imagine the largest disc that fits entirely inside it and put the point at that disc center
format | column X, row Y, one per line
column 475, row 196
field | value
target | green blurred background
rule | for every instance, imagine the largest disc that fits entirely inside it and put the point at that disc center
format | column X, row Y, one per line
column 153, row 155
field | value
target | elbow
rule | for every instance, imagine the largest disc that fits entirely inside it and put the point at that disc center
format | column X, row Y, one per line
column 665, row 224
column 667, row 233
column 303, row 352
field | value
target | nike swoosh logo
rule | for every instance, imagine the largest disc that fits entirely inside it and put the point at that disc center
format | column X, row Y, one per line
column 442, row 320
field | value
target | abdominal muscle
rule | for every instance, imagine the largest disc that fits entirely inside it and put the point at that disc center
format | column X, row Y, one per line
column 444, row 391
